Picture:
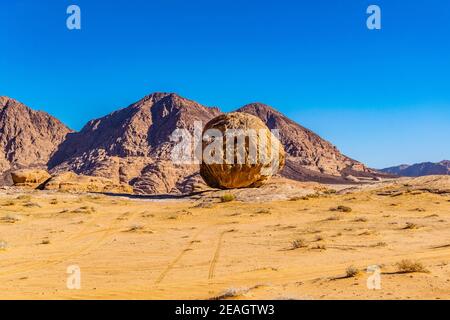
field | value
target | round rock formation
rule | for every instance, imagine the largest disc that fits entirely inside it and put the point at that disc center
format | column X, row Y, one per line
column 239, row 151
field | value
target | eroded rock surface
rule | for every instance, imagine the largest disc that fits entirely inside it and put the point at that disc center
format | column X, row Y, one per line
column 244, row 168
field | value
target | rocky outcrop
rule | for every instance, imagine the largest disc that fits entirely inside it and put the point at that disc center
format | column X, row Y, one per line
column 31, row 178
column 256, row 155
column 71, row 182
column 27, row 137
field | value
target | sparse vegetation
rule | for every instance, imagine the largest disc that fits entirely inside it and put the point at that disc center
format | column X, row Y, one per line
column 84, row 209
column 319, row 247
column 360, row 219
column 135, row 227
column 298, row 243
column 45, row 241
column 318, row 238
column 227, row 197
column 31, row 205
column 24, row 197
column 410, row 226
column 10, row 218
column 380, row 244
column 8, row 203
column 351, row 272
column 341, row 209
column 408, row 266
column 233, row 293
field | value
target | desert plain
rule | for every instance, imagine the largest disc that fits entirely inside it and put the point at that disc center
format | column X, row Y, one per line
column 282, row 241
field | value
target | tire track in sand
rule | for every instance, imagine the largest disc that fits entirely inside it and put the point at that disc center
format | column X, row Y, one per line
column 178, row 257
column 213, row 263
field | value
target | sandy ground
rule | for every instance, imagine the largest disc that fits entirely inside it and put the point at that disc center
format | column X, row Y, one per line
column 177, row 249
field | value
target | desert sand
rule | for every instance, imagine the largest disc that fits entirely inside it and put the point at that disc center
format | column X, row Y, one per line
column 203, row 247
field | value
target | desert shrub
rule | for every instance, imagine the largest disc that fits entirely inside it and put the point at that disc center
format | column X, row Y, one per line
column 351, row 272
column 84, row 209
column 135, row 227
column 45, row 241
column 319, row 247
column 227, row 197
column 10, row 218
column 24, row 197
column 298, row 243
column 8, row 203
column 319, row 238
column 341, row 209
column 408, row 266
column 360, row 219
column 411, row 226
column 31, row 205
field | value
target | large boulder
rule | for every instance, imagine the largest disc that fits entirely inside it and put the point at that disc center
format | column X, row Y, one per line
column 71, row 182
column 30, row 178
column 252, row 155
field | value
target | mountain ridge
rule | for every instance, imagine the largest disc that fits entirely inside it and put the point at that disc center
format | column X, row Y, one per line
column 131, row 145
column 420, row 169
column 27, row 137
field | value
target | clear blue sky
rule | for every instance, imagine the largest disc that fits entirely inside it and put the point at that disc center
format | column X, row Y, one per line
column 382, row 97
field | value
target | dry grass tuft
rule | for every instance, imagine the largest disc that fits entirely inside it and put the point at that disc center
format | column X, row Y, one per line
column 10, row 218
column 298, row 243
column 24, row 197
column 318, row 247
column 410, row 226
column 233, row 293
column 351, row 272
column 8, row 203
column 227, row 197
column 342, row 209
column 31, row 205
column 408, row 266
column 135, row 227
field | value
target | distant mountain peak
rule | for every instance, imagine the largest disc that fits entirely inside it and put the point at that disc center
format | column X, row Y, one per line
column 27, row 137
column 420, row 169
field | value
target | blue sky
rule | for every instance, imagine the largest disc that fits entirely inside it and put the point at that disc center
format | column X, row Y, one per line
column 382, row 97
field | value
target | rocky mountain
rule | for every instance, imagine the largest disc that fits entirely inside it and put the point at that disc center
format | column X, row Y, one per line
column 420, row 169
column 132, row 145
column 27, row 137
